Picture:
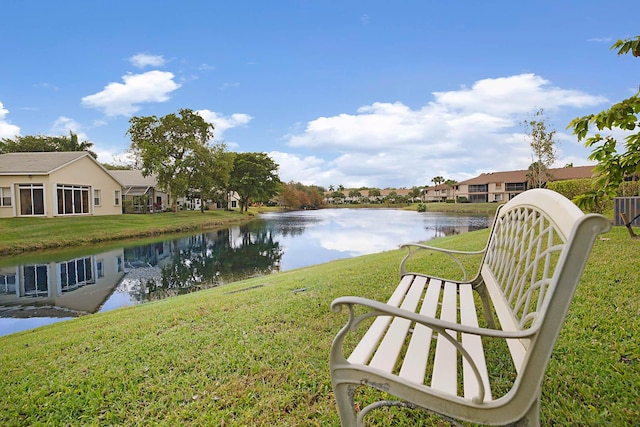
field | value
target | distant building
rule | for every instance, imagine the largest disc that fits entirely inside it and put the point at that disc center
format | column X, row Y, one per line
column 499, row 186
column 140, row 194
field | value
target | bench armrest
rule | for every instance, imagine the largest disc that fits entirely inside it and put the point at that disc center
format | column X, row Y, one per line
column 382, row 309
column 415, row 247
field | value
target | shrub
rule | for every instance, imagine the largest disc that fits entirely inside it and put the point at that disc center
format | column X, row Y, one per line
column 422, row 207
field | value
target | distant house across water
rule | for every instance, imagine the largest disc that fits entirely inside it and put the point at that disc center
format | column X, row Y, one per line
column 503, row 186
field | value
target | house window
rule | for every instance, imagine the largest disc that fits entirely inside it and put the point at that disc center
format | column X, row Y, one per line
column 515, row 186
column 36, row 280
column 5, row 196
column 73, row 199
column 75, row 273
column 31, row 199
column 478, row 198
column 234, row 204
column 97, row 197
column 100, row 268
column 116, row 198
column 7, row 284
column 482, row 188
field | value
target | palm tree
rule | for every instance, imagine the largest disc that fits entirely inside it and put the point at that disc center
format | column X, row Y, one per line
column 437, row 180
column 450, row 183
column 72, row 144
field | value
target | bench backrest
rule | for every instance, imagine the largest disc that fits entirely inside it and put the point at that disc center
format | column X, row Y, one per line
column 535, row 256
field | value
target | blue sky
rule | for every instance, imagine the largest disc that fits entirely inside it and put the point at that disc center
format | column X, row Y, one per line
column 354, row 93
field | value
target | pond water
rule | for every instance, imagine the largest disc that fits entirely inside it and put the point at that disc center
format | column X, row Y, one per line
column 47, row 287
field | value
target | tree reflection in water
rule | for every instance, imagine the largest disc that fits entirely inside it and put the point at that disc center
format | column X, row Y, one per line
column 206, row 260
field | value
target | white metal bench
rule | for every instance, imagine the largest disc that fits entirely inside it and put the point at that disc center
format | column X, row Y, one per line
column 426, row 346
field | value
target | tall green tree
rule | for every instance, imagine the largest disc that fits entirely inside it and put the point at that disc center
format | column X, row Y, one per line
column 170, row 147
column 254, row 177
column 616, row 162
column 414, row 193
column 45, row 143
column 210, row 171
column 543, row 146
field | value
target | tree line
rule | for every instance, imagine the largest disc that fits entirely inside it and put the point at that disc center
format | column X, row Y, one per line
column 178, row 149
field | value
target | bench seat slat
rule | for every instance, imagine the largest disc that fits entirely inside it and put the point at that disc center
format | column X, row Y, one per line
column 445, row 367
column 473, row 345
column 369, row 341
column 415, row 362
column 389, row 349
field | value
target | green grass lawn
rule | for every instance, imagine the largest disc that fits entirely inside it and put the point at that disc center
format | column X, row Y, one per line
column 26, row 234
column 256, row 352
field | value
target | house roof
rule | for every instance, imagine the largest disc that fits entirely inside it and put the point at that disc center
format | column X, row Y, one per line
column 134, row 178
column 37, row 163
column 574, row 172
column 43, row 163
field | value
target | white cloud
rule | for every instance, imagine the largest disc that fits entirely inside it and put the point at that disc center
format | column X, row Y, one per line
column 142, row 60
column 221, row 123
column 118, row 99
column 7, row 130
column 113, row 157
column 513, row 95
column 458, row 135
column 65, row 124
column 307, row 170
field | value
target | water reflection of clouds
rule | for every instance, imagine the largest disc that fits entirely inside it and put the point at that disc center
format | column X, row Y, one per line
column 339, row 233
column 361, row 241
column 361, row 232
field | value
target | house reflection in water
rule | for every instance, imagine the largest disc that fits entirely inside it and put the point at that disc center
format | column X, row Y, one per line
column 60, row 288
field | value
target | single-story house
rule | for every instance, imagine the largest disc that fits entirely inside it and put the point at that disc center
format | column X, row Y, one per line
column 51, row 184
column 233, row 202
column 140, row 194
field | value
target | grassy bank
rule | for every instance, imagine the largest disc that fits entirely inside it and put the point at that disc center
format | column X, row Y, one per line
column 482, row 208
column 255, row 353
column 27, row 234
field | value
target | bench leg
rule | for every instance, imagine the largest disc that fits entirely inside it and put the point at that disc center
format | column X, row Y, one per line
column 344, row 393
column 532, row 417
